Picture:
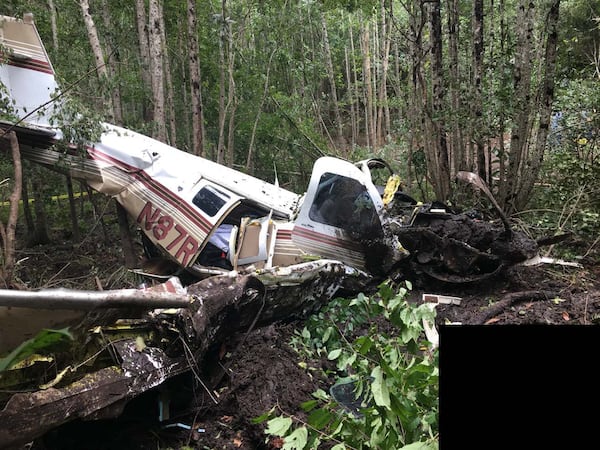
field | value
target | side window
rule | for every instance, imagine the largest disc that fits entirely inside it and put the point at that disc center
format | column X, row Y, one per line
column 343, row 202
column 210, row 200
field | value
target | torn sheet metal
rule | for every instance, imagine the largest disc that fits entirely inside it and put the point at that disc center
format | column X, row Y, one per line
column 31, row 414
column 441, row 299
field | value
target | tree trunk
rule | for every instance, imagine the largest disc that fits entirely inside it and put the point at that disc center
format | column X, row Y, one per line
column 367, row 86
column 53, row 25
column 40, row 231
column 439, row 156
column 195, row 83
column 383, row 117
column 157, row 71
column 477, row 108
column 523, row 102
column 170, row 106
column 355, row 93
column 8, row 233
column 258, row 113
column 231, row 97
column 332, row 85
column 502, row 154
column 126, row 242
column 29, row 223
column 142, row 29
column 546, row 97
column 98, row 53
column 455, row 146
column 72, row 210
column 222, row 74
column 112, row 65
column 350, row 94
column 417, row 107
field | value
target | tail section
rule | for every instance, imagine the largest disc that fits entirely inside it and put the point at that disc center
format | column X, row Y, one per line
column 26, row 74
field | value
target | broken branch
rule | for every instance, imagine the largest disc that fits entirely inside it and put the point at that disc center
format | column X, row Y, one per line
column 86, row 300
column 511, row 299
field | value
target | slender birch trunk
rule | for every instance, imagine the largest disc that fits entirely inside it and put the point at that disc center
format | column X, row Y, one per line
column 98, row 53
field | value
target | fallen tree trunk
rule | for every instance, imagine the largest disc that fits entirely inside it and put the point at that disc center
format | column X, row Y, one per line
column 88, row 300
column 509, row 300
column 219, row 306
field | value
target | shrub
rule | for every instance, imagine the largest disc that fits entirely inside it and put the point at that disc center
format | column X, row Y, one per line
column 385, row 377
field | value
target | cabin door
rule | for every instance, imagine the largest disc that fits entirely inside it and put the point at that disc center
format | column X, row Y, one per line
column 340, row 211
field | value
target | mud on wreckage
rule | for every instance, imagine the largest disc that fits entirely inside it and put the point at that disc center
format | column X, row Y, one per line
column 252, row 253
column 124, row 343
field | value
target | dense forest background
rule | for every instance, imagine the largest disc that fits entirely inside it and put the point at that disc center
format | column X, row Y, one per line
column 508, row 89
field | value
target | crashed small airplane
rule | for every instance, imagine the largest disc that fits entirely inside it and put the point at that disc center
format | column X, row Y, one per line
column 211, row 219
column 207, row 217
column 255, row 248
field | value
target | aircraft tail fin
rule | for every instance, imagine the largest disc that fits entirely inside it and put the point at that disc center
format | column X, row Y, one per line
column 26, row 74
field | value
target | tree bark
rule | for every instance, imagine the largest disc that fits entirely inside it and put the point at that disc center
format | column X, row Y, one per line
column 157, row 70
column 98, row 53
column 383, row 116
column 72, row 210
column 53, row 25
column 355, row 93
column 40, row 231
column 8, row 233
column 231, row 98
column 439, row 149
column 195, row 83
column 332, row 84
column 455, row 147
column 126, row 241
column 112, row 64
column 143, row 36
column 365, row 42
column 222, row 75
column 477, row 109
column 523, row 103
column 258, row 113
column 169, row 101
column 546, row 98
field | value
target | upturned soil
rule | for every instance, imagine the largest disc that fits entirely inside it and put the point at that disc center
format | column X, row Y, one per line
column 251, row 373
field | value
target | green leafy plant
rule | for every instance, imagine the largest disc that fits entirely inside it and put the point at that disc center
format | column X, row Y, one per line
column 45, row 340
column 385, row 382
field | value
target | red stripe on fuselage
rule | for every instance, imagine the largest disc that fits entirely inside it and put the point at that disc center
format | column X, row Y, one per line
column 31, row 64
column 326, row 239
column 284, row 234
column 159, row 189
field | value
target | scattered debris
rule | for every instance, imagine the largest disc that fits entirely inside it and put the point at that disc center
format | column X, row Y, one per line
column 511, row 299
column 441, row 299
column 537, row 259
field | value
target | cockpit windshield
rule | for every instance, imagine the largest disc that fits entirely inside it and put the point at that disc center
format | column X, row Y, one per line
column 343, row 202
